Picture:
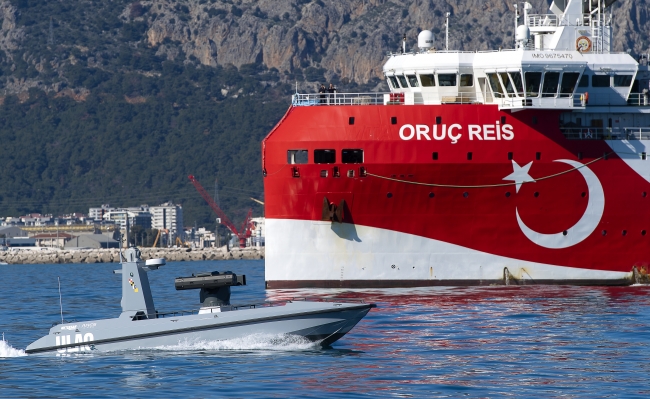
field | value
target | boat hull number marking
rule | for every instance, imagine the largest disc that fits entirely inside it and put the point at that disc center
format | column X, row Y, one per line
column 78, row 339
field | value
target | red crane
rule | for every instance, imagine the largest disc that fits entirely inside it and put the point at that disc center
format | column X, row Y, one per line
column 245, row 229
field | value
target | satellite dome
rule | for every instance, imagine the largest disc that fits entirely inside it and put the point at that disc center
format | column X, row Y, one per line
column 425, row 39
column 523, row 33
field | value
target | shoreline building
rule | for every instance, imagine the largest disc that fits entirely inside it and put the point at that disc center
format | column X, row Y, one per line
column 168, row 216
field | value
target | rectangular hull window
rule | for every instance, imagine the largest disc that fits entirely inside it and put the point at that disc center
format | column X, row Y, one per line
column 466, row 79
column 533, row 81
column 515, row 77
column 600, row 81
column 622, row 80
column 352, row 156
column 506, row 81
column 324, row 156
column 427, row 80
column 568, row 85
column 402, row 81
column 447, row 79
column 296, row 156
column 495, row 85
column 551, row 81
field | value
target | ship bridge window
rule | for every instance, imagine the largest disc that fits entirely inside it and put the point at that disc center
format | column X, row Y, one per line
column 324, row 156
column 447, row 79
column 551, row 81
column 622, row 80
column 466, row 80
column 497, row 89
column 568, row 85
column 515, row 77
column 507, row 83
column 584, row 81
column 600, row 81
column 352, row 156
column 533, row 80
column 393, row 82
column 296, row 156
column 413, row 80
column 402, row 81
column 428, row 80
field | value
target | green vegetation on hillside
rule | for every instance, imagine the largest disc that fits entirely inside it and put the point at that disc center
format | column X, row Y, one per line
column 135, row 139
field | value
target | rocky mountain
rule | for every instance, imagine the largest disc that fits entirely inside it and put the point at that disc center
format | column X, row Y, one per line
column 314, row 40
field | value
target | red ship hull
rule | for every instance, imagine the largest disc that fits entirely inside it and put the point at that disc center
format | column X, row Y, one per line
column 438, row 209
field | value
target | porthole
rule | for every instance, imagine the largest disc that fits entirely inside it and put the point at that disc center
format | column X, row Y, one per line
column 538, row 156
column 624, row 232
column 351, row 120
column 643, row 194
column 389, row 195
column 583, row 194
column 510, row 156
column 642, row 232
column 438, row 120
column 565, row 232
column 431, row 195
column 393, row 120
column 507, row 194
column 604, row 232
column 465, row 194
column 536, row 194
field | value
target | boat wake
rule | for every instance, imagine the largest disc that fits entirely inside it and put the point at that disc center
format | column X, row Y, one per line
column 253, row 342
column 7, row 350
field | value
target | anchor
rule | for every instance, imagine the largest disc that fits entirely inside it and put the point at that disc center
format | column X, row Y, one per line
column 333, row 212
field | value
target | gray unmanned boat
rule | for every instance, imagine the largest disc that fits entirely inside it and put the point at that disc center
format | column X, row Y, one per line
column 141, row 326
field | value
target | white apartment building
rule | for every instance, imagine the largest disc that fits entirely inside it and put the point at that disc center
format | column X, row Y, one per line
column 168, row 216
column 96, row 213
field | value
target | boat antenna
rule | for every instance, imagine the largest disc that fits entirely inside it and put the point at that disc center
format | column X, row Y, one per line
column 447, row 31
column 516, row 21
column 121, row 248
column 60, row 301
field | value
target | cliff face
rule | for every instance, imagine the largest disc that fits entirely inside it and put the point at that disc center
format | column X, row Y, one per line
column 347, row 38
column 319, row 39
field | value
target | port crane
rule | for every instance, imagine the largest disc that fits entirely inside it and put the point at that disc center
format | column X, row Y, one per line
column 243, row 233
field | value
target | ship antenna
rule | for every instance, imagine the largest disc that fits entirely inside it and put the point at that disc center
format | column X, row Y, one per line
column 447, row 31
column 516, row 22
column 60, row 301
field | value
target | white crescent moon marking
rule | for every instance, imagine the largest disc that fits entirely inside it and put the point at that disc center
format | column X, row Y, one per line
column 587, row 223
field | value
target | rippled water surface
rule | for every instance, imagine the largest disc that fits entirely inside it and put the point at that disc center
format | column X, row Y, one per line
column 433, row 342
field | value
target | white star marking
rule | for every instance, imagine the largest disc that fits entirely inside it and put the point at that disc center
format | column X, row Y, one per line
column 520, row 174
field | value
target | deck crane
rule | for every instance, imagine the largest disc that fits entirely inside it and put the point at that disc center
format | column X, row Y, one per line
column 243, row 233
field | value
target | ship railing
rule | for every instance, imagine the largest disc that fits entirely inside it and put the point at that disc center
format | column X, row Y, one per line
column 638, row 99
column 337, row 99
column 606, row 133
column 542, row 20
column 563, row 101
column 535, row 20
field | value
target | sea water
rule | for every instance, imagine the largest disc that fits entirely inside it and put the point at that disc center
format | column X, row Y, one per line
column 521, row 341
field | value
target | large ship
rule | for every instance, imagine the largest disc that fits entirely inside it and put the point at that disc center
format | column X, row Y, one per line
column 513, row 166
